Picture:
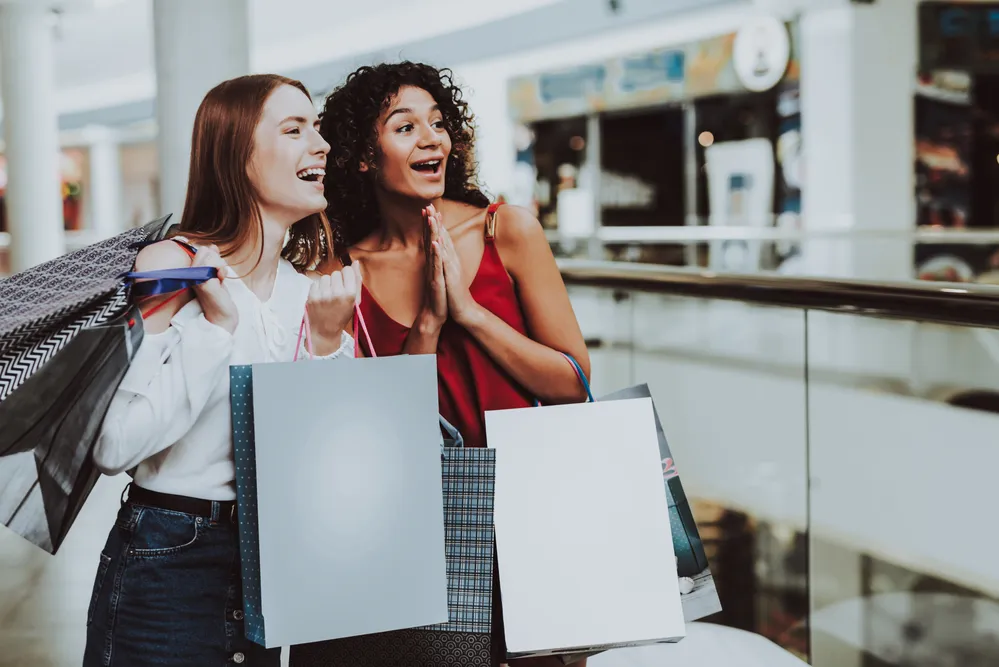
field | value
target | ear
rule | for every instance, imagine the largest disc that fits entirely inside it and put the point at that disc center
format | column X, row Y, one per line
column 364, row 167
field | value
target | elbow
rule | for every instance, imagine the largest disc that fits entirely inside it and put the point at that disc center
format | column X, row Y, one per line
column 108, row 456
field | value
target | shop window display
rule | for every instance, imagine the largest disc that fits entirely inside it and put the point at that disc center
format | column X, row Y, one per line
column 72, row 176
column 641, row 168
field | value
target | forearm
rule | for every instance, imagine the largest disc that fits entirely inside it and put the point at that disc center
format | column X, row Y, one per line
column 167, row 386
column 543, row 371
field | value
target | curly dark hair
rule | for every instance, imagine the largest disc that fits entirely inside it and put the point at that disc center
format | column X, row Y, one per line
column 348, row 121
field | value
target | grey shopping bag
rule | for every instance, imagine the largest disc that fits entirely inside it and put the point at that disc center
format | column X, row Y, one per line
column 468, row 477
column 339, row 497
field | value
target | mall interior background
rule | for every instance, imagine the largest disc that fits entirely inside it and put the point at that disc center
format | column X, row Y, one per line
column 839, row 465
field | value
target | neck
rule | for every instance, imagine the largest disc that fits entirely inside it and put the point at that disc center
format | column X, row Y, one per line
column 257, row 268
column 402, row 218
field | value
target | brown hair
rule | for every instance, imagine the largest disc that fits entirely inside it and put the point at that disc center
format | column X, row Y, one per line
column 221, row 204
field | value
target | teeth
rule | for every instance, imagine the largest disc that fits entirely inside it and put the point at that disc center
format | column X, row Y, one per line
column 314, row 171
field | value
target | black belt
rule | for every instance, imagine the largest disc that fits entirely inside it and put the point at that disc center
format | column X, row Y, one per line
column 216, row 510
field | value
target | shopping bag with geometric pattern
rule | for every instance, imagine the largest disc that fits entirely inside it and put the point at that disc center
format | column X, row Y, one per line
column 68, row 331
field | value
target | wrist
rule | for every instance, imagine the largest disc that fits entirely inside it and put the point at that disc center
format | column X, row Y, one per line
column 428, row 324
column 325, row 343
column 471, row 316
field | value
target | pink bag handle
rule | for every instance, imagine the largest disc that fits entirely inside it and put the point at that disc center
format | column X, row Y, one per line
column 360, row 324
column 306, row 329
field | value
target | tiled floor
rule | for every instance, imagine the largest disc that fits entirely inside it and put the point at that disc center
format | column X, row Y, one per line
column 44, row 598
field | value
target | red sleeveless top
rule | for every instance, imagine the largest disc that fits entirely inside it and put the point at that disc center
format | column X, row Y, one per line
column 469, row 381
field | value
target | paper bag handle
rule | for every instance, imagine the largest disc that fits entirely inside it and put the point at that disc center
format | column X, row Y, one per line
column 306, row 329
column 580, row 375
column 361, row 327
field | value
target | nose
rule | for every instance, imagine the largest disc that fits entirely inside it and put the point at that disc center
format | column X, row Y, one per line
column 319, row 145
column 429, row 137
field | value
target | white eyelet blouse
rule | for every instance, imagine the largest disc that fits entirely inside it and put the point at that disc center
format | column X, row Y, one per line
column 169, row 423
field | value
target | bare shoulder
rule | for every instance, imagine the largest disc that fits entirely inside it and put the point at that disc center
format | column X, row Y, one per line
column 517, row 228
column 162, row 255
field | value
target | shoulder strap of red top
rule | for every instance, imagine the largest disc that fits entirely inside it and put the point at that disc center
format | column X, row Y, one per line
column 491, row 221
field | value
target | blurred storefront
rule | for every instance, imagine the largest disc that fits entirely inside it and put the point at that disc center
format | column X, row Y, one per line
column 105, row 188
column 957, row 137
column 700, row 133
column 72, row 176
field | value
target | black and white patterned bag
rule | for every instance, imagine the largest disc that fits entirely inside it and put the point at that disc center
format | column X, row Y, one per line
column 65, row 344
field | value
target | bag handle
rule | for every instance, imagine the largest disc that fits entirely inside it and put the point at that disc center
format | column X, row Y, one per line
column 167, row 281
column 361, row 327
column 304, row 328
column 451, row 434
column 580, row 375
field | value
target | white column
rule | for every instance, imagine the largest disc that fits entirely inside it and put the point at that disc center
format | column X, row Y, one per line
column 31, row 133
column 858, row 67
column 104, row 189
column 198, row 44
column 885, row 64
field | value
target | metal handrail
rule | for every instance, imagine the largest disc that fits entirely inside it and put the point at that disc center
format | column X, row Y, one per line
column 945, row 303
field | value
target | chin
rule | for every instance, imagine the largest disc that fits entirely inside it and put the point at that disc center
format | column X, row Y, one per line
column 430, row 194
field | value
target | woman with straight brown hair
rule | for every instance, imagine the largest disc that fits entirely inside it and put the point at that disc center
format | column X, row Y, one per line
column 168, row 586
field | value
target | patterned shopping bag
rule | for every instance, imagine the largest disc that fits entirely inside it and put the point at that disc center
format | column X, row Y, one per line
column 465, row 640
column 68, row 331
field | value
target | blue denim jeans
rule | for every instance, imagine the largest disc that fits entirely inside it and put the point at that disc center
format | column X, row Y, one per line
column 168, row 594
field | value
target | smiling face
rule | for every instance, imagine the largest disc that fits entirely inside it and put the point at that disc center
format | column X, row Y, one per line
column 413, row 146
column 288, row 162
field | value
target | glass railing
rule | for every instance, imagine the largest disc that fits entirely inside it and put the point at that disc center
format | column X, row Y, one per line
column 838, row 443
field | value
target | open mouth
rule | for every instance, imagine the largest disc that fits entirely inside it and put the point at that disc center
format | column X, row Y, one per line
column 429, row 167
column 312, row 174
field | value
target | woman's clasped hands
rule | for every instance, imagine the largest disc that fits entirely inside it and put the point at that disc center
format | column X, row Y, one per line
column 447, row 293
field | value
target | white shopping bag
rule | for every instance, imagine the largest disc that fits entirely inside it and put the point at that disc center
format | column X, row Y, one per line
column 583, row 538
column 340, row 497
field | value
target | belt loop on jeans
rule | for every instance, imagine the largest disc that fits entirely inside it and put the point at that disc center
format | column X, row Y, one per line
column 215, row 511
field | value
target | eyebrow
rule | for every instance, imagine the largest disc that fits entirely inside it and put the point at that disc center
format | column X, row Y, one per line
column 402, row 110
column 297, row 119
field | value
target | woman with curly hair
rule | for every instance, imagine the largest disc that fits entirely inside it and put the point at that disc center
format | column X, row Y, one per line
column 446, row 272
